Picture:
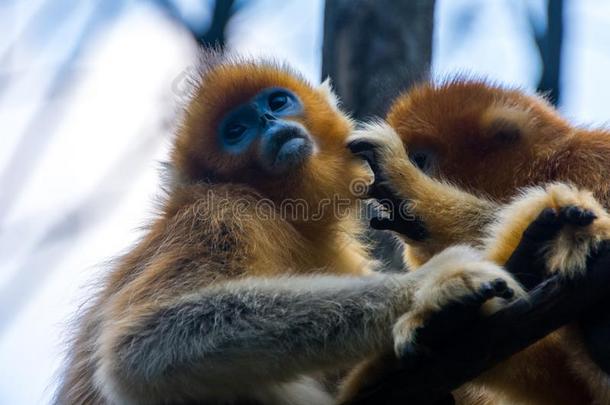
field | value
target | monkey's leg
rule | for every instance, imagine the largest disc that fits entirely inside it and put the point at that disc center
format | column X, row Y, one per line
column 430, row 214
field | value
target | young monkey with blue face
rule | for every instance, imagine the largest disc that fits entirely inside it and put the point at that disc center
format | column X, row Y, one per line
column 234, row 294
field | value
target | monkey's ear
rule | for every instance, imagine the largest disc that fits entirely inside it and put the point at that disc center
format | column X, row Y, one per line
column 507, row 124
column 506, row 132
column 326, row 89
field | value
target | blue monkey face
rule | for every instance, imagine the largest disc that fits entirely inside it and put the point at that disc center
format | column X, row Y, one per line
column 263, row 123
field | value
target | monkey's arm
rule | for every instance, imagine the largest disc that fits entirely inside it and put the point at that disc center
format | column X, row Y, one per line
column 431, row 214
column 253, row 331
column 245, row 335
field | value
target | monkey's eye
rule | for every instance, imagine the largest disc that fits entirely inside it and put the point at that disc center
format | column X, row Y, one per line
column 423, row 159
column 420, row 159
column 234, row 132
column 277, row 101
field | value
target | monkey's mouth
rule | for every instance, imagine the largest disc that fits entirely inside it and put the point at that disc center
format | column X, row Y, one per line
column 289, row 147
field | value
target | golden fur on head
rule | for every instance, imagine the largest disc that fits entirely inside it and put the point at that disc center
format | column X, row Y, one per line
column 224, row 82
column 471, row 126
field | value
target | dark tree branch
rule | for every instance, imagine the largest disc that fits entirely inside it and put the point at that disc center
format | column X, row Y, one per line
column 212, row 35
column 554, row 303
column 550, row 46
column 215, row 35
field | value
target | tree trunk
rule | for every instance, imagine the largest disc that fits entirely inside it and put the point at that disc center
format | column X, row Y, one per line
column 375, row 49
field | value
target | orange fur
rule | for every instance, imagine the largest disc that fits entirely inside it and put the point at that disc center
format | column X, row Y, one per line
column 492, row 140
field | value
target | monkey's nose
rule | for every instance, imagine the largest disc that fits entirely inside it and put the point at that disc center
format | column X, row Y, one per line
column 265, row 118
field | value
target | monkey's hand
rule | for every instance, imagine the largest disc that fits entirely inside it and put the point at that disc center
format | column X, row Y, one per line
column 379, row 145
column 563, row 226
column 458, row 288
column 585, row 225
column 431, row 214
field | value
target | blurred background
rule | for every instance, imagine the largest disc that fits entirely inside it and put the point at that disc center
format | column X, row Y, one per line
column 89, row 91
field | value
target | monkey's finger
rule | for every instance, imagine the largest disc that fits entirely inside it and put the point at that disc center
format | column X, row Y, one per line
column 460, row 313
column 412, row 228
column 545, row 227
column 362, row 148
column 496, row 288
column 526, row 263
column 577, row 216
column 412, row 355
column 365, row 150
column 358, row 146
column 379, row 191
column 382, row 223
